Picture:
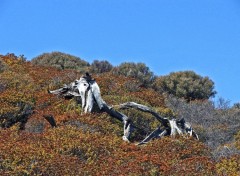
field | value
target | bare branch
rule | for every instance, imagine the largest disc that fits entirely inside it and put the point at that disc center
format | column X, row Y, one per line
column 144, row 108
column 51, row 120
column 155, row 134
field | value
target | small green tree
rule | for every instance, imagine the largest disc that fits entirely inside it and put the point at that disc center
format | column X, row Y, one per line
column 186, row 84
column 136, row 70
column 100, row 66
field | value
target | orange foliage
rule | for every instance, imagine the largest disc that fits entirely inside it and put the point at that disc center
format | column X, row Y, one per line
column 88, row 144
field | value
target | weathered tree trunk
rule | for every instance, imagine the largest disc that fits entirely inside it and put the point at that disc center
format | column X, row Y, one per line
column 89, row 91
column 162, row 120
column 171, row 127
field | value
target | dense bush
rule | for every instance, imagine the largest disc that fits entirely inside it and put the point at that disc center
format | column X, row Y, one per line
column 138, row 71
column 100, row 66
column 61, row 61
column 186, row 84
column 15, row 107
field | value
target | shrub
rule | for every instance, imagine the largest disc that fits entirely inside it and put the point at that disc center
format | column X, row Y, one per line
column 15, row 107
column 138, row 71
column 100, row 66
column 61, row 61
column 214, row 126
column 186, row 84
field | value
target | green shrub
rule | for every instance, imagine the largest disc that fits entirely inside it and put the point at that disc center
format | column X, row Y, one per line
column 100, row 66
column 61, row 61
column 138, row 71
column 186, row 84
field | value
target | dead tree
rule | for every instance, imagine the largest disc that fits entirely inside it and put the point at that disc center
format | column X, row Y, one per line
column 170, row 127
column 89, row 91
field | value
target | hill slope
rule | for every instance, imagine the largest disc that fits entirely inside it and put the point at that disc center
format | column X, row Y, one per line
column 91, row 144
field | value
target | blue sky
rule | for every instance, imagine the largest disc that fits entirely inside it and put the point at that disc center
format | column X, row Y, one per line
column 167, row 35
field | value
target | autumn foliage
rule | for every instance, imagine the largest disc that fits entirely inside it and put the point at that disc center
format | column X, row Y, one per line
column 90, row 144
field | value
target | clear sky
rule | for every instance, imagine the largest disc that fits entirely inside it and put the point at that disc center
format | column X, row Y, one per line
column 167, row 35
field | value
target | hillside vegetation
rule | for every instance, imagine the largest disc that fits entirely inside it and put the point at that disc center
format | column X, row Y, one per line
column 92, row 144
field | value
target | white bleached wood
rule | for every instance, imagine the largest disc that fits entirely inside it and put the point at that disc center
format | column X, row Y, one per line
column 89, row 91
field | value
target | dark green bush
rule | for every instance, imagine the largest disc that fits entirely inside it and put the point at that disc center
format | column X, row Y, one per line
column 61, row 61
column 185, row 84
column 138, row 71
column 100, row 66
